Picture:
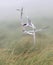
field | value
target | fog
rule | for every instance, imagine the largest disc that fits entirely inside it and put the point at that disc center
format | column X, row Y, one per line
column 39, row 11
column 33, row 8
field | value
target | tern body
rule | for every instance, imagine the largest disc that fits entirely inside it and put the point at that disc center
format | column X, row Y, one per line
column 28, row 24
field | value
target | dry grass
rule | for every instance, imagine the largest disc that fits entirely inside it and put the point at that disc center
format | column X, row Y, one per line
column 25, row 53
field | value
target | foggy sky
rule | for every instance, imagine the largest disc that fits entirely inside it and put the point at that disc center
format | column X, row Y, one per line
column 32, row 8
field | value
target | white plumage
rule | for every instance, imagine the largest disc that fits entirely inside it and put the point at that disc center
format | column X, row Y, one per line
column 29, row 24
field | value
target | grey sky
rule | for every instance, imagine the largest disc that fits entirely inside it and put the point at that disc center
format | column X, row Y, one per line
column 35, row 8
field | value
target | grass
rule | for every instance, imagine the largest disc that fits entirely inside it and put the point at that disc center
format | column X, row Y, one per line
column 24, row 52
column 18, row 49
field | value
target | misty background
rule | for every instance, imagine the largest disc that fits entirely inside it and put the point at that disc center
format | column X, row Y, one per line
column 37, row 8
column 39, row 11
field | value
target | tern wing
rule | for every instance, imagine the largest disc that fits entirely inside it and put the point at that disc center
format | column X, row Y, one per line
column 31, row 31
column 46, row 27
column 41, row 29
column 27, row 32
column 21, row 13
column 38, row 30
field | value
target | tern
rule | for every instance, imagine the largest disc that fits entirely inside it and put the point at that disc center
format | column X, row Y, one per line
column 29, row 24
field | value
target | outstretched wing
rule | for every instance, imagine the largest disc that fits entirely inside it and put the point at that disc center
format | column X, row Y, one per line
column 27, row 32
column 37, row 30
column 30, row 33
column 21, row 12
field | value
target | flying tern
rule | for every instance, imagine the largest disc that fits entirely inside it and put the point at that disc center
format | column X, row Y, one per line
column 29, row 24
